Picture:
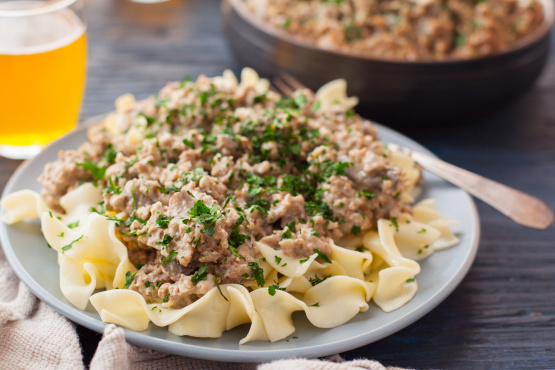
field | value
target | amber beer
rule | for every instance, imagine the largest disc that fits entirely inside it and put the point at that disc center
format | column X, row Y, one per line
column 42, row 73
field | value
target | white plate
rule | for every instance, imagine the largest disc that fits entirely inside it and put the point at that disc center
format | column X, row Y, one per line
column 36, row 266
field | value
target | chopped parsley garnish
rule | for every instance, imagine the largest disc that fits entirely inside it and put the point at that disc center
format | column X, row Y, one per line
column 73, row 225
column 162, row 102
column 208, row 217
column 189, row 143
column 134, row 197
column 367, row 194
column 129, row 279
column 110, row 154
column 130, row 220
column 322, row 256
column 355, row 230
column 70, row 245
column 262, row 205
column 287, row 22
column 166, row 298
column 201, row 274
column 171, row 256
column 172, row 188
column 219, row 289
column 317, row 304
column 97, row 172
column 329, row 168
column 395, row 223
column 236, row 239
column 185, row 80
column 163, row 221
column 316, row 106
column 227, row 200
column 410, row 280
column 112, row 187
column 423, row 230
column 286, row 235
column 149, row 120
column 60, row 235
column 257, row 272
column 460, row 39
column 300, row 100
column 318, row 208
column 317, row 280
column 352, row 32
column 272, row 289
column 278, row 259
column 304, row 259
column 291, row 225
column 259, row 98
column 166, row 240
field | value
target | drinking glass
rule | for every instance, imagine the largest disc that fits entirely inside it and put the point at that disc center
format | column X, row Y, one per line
column 42, row 72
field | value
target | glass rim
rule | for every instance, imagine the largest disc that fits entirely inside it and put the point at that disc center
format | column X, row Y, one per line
column 48, row 7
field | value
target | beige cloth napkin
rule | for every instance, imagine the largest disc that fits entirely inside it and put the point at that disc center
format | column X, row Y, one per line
column 34, row 336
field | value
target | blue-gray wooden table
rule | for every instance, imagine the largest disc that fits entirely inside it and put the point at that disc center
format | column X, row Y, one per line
column 503, row 313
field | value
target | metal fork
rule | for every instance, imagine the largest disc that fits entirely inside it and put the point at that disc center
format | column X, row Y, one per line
column 520, row 207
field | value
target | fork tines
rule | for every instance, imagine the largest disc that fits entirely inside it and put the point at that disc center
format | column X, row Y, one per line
column 286, row 84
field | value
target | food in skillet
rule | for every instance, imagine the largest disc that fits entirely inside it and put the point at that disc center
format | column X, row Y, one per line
column 404, row 29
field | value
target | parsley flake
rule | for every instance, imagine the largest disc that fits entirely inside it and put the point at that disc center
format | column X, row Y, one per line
column 322, row 256
column 272, row 289
column 129, row 279
column 257, row 272
column 201, row 274
column 70, row 245
column 97, row 172
column 395, row 223
column 355, row 230
column 163, row 221
column 171, row 256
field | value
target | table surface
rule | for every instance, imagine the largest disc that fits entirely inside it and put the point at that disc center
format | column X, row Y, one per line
column 503, row 313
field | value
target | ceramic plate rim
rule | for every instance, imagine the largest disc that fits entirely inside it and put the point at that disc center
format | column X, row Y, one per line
column 218, row 354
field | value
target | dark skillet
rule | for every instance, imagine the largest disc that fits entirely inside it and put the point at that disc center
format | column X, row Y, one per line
column 395, row 92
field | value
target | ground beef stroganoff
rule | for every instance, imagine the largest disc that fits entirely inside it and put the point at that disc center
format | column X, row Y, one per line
column 405, row 29
column 219, row 203
column 197, row 176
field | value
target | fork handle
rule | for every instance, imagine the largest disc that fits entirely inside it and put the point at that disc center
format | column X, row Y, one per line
column 522, row 208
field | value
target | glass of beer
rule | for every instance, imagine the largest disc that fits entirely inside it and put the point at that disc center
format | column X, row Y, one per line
column 42, row 72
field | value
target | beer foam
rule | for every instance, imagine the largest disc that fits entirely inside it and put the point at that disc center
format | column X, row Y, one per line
column 39, row 33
